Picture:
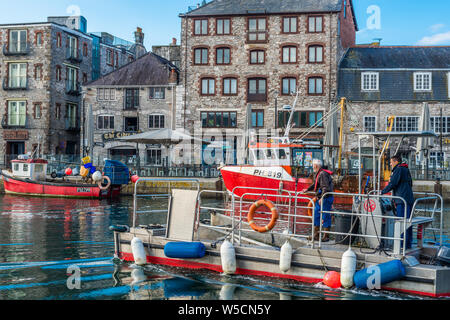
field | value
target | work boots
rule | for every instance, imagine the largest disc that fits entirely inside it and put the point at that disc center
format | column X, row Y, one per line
column 326, row 236
column 316, row 234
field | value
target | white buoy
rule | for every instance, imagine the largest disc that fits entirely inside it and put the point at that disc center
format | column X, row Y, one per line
column 137, row 248
column 228, row 257
column 97, row 176
column 286, row 257
column 348, row 268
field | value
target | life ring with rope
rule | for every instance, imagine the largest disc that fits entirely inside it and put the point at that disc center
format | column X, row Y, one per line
column 272, row 222
column 311, row 205
column 100, row 183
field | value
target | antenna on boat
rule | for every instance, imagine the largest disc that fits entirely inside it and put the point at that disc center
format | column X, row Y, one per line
column 291, row 117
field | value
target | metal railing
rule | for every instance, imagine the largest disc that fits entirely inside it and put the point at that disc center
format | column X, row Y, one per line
column 9, row 85
column 16, row 48
column 74, row 55
column 8, row 124
column 73, row 88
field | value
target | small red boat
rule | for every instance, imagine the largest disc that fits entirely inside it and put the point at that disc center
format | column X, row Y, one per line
column 29, row 177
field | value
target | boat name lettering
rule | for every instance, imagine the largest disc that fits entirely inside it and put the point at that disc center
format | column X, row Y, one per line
column 83, row 190
column 268, row 173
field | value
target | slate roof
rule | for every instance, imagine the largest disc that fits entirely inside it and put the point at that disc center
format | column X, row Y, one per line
column 148, row 70
column 397, row 57
column 243, row 7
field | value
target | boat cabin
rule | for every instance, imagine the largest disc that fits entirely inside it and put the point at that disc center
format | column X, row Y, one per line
column 33, row 169
column 275, row 152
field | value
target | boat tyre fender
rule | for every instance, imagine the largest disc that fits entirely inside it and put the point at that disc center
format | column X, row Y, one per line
column 53, row 175
column 311, row 207
column 100, row 185
column 252, row 211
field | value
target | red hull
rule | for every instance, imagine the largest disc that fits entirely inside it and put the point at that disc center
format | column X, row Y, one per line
column 16, row 186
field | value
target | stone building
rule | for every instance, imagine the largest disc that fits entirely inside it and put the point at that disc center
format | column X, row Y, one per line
column 171, row 52
column 380, row 82
column 139, row 97
column 242, row 61
column 42, row 68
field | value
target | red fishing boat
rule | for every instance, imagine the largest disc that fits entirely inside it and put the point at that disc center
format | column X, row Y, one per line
column 28, row 177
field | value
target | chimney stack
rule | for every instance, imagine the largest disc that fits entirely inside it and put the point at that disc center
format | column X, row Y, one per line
column 173, row 79
column 139, row 36
column 174, row 41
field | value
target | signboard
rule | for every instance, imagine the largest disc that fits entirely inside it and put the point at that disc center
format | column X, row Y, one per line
column 15, row 135
column 111, row 136
column 370, row 205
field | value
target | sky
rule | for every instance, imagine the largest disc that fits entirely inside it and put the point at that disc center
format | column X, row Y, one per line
column 396, row 22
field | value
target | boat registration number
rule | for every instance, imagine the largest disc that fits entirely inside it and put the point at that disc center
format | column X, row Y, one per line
column 268, row 173
column 83, row 190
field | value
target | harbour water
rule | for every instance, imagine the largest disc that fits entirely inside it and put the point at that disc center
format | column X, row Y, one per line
column 45, row 242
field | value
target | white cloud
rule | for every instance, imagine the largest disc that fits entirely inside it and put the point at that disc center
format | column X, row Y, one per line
column 436, row 27
column 437, row 39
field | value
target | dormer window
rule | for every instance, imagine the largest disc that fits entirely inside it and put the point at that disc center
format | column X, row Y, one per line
column 422, row 81
column 369, row 81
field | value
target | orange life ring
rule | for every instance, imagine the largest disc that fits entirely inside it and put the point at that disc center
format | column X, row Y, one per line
column 107, row 186
column 311, row 206
column 252, row 211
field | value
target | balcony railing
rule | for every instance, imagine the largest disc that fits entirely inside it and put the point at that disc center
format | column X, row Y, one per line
column 73, row 88
column 74, row 55
column 72, row 124
column 16, row 48
column 15, row 122
column 18, row 85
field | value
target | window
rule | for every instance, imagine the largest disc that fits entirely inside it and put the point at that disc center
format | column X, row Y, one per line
column 57, row 111
column 105, row 122
column 315, row 24
column 17, row 113
column 229, row 86
column 448, row 84
column 157, row 93
column 257, row 118
column 37, row 111
column 71, row 115
column 58, row 73
column 404, row 124
column 315, row 54
column 315, row 86
column 17, row 41
column 73, row 47
column 436, row 124
column 72, row 79
column 289, row 54
column 208, row 86
column 201, row 27
column 17, row 75
column 223, row 26
column 422, row 81
column 288, row 86
column 436, row 159
column 85, row 77
column 370, row 124
column 131, row 124
column 257, row 30
column 156, row 121
column 301, row 119
column 131, row 98
column 257, row 57
column 154, row 157
column 39, row 38
column 369, row 81
column 106, row 94
column 109, row 57
column 223, row 55
column 219, row 119
column 201, row 56
column 38, row 72
column 85, row 49
column 257, row 90
column 290, row 25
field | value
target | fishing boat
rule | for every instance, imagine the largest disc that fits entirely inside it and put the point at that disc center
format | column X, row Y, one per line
column 28, row 177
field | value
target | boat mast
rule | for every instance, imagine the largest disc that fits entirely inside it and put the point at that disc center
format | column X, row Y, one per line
column 291, row 117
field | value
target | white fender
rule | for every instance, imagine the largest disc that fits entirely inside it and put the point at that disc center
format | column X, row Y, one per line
column 137, row 248
column 286, row 257
column 348, row 268
column 228, row 257
column 227, row 292
column 138, row 276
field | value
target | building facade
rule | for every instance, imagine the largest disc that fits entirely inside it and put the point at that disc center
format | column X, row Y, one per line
column 139, row 97
column 42, row 68
column 380, row 82
column 243, row 62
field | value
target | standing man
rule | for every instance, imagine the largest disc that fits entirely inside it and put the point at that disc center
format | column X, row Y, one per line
column 401, row 185
column 323, row 183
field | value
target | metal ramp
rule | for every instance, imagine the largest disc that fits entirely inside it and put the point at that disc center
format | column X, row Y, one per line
column 182, row 215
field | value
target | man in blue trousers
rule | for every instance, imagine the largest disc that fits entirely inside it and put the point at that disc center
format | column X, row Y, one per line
column 323, row 183
column 401, row 185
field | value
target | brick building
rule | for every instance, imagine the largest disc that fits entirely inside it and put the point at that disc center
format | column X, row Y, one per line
column 141, row 96
column 380, row 82
column 242, row 60
column 42, row 68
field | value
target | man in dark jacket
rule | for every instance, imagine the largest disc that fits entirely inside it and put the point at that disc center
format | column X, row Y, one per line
column 401, row 186
column 323, row 183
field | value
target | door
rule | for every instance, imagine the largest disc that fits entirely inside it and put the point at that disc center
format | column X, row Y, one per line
column 14, row 149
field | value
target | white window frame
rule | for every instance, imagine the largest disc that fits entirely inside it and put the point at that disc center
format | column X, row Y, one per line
column 17, row 113
column 19, row 80
column 436, row 121
column 448, row 84
column 159, row 115
column 407, row 119
column 370, row 75
column 364, row 123
column 18, row 47
column 159, row 160
column 106, row 94
column 434, row 157
column 422, row 87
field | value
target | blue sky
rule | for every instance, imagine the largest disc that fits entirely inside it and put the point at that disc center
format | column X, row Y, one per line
column 397, row 22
